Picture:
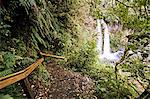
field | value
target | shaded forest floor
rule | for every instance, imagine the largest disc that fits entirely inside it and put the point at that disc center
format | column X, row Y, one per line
column 66, row 84
column 63, row 84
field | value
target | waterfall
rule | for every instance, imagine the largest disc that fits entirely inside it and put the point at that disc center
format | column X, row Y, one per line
column 99, row 37
column 106, row 39
column 106, row 53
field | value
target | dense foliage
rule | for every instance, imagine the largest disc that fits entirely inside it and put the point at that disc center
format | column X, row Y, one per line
column 134, row 16
column 33, row 25
column 66, row 28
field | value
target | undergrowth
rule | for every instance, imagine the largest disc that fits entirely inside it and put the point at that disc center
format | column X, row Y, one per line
column 29, row 26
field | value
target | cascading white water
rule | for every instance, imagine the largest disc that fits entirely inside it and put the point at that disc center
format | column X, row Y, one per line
column 106, row 39
column 106, row 53
column 99, row 37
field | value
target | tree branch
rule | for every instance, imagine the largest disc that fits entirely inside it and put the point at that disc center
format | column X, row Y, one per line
column 124, row 4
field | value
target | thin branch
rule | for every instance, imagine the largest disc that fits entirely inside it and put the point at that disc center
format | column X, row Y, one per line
column 124, row 4
column 133, row 88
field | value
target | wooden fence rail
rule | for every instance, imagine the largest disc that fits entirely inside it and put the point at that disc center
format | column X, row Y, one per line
column 12, row 78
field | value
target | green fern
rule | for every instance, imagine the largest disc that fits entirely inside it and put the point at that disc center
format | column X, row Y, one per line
column 42, row 20
column 8, row 63
column 39, row 39
column 6, row 72
column 27, row 4
column 9, row 60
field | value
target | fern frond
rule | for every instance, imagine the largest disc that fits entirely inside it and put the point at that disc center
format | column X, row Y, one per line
column 5, row 72
column 27, row 4
column 39, row 39
column 9, row 60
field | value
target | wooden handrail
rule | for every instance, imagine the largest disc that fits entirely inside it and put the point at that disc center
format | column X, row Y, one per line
column 50, row 55
column 14, row 74
column 12, row 78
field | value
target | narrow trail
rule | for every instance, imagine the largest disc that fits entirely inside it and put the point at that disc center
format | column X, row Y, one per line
column 64, row 84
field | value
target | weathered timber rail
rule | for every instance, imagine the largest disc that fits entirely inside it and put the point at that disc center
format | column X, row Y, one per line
column 15, row 77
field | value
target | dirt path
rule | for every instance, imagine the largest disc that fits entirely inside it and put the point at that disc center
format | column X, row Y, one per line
column 64, row 84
